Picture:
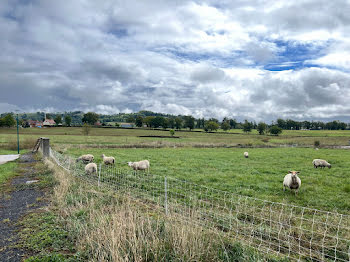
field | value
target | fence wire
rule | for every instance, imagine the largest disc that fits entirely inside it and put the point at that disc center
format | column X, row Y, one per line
column 296, row 232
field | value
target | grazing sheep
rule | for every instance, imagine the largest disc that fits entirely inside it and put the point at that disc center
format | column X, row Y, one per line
column 91, row 168
column 246, row 155
column 321, row 163
column 140, row 165
column 88, row 158
column 292, row 181
column 108, row 160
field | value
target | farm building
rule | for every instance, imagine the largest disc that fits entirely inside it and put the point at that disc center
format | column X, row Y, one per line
column 49, row 122
column 35, row 123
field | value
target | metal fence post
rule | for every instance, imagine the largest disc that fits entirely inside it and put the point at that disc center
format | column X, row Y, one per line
column 165, row 196
column 99, row 176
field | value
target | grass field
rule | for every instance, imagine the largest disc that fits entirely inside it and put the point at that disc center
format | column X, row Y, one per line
column 120, row 137
column 8, row 169
column 260, row 175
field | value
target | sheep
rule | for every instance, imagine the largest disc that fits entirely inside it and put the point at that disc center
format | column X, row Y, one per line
column 108, row 160
column 321, row 163
column 91, row 168
column 292, row 181
column 246, row 155
column 140, row 165
column 88, row 158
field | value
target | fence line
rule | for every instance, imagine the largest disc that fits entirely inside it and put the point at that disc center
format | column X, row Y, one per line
column 299, row 233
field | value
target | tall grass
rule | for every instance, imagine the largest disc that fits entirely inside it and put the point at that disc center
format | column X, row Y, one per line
column 24, row 143
column 110, row 227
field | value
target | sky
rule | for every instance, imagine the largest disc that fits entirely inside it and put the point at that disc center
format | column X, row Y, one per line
column 256, row 60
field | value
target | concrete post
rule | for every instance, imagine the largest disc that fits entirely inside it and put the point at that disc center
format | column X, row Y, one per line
column 45, row 146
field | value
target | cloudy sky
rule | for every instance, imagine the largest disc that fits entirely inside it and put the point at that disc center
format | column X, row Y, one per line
column 257, row 59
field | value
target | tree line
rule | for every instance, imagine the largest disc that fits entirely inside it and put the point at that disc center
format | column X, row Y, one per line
column 157, row 120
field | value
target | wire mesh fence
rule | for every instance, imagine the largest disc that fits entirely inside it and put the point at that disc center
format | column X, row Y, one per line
column 299, row 233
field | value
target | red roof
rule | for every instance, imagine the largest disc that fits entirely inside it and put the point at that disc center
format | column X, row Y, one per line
column 50, row 121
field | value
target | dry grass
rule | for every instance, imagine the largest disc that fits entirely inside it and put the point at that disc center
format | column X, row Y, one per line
column 110, row 227
column 26, row 143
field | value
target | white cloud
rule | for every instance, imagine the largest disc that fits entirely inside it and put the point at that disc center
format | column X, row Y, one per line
column 204, row 58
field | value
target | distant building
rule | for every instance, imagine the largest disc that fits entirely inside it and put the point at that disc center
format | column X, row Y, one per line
column 49, row 122
column 129, row 125
column 35, row 123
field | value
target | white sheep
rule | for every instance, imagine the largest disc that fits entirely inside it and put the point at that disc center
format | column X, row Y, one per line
column 292, row 181
column 88, row 158
column 246, row 154
column 91, row 168
column 321, row 163
column 140, row 165
column 108, row 160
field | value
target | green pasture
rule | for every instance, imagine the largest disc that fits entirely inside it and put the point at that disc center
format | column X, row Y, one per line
column 120, row 137
column 259, row 176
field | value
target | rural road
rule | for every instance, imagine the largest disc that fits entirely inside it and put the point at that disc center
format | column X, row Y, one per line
column 7, row 158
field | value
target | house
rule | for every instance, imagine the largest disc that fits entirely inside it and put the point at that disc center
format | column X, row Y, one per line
column 35, row 123
column 49, row 122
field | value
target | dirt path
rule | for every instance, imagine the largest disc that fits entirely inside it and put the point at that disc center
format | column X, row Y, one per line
column 18, row 201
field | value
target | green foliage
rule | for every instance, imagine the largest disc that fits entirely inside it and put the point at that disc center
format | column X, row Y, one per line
column 86, row 129
column 189, row 122
column 139, row 121
column 172, row 132
column 90, row 118
column 148, row 120
column 58, row 119
column 171, row 123
column 225, row 125
column 178, row 123
column 211, row 126
column 130, row 119
column 275, row 130
column 68, row 120
column 262, row 128
column 317, row 143
column 8, row 121
column 117, row 124
column 247, row 126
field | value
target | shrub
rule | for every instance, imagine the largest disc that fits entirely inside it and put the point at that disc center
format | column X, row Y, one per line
column 275, row 130
column 172, row 132
column 86, row 129
column 317, row 143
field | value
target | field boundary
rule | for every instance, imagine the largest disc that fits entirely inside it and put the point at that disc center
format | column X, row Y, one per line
column 291, row 231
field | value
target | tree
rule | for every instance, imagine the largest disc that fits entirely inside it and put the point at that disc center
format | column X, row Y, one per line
column 178, row 123
column 157, row 121
column 139, row 121
column 171, row 122
column 90, row 118
column 261, row 128
column 68, row 120
column 58, row 120
column 225, row 125
column 247, row 126
column 275, row 130
column 211, row 126
column 148, row 120
column 86, row 129
column 233, row 123
column 8, row 120
column 130, row 119
column 48, row 116
column 172, row 132
column 165, row 123
column 281, row 123
column 189, row 122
